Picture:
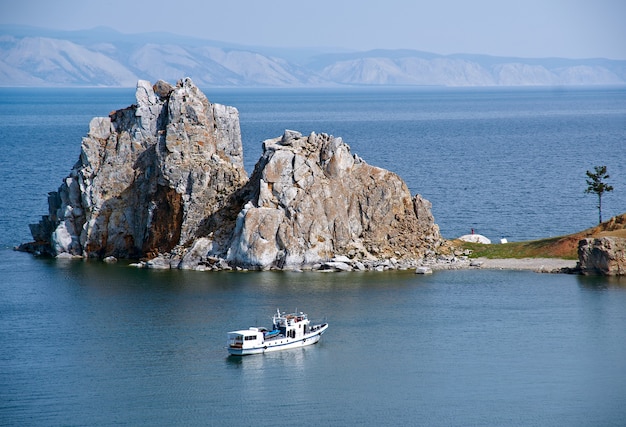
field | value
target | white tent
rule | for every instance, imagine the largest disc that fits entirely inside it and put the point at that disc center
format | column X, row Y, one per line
column 475, row 238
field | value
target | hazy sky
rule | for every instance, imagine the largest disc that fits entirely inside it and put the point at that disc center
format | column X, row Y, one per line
column 525, row 28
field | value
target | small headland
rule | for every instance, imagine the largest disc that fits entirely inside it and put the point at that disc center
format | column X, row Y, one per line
column 554, row 253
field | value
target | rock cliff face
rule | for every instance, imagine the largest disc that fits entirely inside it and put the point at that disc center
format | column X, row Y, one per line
column 163, row 180
column 311, row 200
column 604, row 256
column 150, row 177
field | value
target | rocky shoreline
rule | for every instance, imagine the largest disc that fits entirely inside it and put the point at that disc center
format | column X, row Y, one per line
column 423, row 266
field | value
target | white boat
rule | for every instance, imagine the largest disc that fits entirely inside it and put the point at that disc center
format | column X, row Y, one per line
column 288, row 331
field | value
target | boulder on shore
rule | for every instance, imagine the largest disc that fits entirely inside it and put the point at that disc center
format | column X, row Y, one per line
column 163, row 180
column 602, row 256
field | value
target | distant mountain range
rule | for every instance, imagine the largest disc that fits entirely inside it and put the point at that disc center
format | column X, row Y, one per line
column 103, row 57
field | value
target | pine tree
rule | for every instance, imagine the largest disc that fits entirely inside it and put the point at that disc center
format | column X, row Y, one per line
column 597, row 185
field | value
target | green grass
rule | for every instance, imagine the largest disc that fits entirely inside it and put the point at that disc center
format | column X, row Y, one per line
column 563, row 247
column 544, row 248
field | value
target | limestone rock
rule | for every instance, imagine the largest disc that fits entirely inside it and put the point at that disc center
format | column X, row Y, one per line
column 151, row 178
column 163, row 181
column 311, row 200
column 604, row 256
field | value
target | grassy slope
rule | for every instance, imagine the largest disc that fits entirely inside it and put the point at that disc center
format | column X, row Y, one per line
column 555, row 247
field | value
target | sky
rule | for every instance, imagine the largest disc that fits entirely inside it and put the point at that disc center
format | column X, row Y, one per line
column 524, row 28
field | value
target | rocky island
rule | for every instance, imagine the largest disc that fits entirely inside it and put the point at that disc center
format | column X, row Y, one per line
column 163, row 181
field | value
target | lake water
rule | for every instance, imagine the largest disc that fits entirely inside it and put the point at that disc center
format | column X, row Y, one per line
column 84, row 343
column 92, row 344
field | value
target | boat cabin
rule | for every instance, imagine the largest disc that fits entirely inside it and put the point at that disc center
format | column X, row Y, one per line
column 292, row 325
column 245, row 338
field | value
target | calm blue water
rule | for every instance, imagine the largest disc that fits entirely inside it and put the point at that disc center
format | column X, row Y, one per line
column 92, row 344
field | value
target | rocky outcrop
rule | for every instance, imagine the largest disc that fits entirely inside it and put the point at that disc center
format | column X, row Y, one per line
column 311, row 200
column 150, row 178
column 163, row 181
column 603, row 256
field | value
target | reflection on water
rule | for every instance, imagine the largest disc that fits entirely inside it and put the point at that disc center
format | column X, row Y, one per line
column 275, row 381
column 292, row 360
column 601, row 283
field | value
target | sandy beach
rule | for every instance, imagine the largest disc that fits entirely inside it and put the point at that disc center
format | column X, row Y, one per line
column 534, row 264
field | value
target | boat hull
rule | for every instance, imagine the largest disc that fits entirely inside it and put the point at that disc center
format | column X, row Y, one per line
column 280, row 343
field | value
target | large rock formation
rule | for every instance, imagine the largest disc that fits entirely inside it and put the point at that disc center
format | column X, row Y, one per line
column 150, row 177
column 603, row 256
column 163, row 180
column 311, row 200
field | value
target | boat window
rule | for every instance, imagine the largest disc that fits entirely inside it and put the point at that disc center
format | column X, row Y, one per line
column 250, row 337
